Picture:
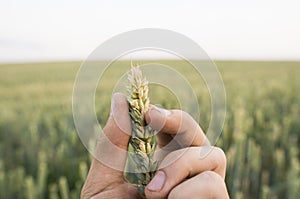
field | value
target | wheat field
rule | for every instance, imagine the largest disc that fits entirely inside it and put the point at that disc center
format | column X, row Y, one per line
column 41, row 155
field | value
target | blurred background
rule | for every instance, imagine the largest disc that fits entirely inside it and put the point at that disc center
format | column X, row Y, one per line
column 255, row 45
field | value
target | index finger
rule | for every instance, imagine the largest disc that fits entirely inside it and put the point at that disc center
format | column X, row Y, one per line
column 176, row 123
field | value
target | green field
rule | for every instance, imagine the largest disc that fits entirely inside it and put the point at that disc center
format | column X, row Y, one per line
column 41, row 155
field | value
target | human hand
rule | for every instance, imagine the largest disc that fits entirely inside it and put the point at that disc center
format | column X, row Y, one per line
column 182, row 173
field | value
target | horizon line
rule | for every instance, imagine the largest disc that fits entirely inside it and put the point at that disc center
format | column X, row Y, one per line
column 148, row 59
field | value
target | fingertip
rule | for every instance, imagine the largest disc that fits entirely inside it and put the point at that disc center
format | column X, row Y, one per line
column 155, row 189
column 119, row 112
column 157, row 182
column 119, row 105
column 118, row 100
column 156, row 117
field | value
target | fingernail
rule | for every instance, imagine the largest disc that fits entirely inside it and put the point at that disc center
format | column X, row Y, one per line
column 165, row 112
column 157, row 182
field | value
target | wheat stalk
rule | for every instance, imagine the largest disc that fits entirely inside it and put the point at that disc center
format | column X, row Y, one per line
column 143, row 139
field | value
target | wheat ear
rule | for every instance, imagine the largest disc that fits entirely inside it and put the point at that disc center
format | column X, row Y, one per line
column 143, row 139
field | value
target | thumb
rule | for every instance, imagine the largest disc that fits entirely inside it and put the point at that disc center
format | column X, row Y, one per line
column 118, row 128
column 112, row 144
column 111, row 150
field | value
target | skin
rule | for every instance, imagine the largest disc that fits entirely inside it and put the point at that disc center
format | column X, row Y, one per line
column 183, row 171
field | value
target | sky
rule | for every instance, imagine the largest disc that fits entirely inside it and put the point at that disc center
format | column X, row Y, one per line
column 62, row 30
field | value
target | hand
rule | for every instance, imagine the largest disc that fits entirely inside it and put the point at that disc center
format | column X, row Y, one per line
column 183, row 173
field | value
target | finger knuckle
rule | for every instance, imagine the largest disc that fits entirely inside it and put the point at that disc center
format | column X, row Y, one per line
column 186, row 115
column 176, row 194
column 173, row 159
column 211, row 176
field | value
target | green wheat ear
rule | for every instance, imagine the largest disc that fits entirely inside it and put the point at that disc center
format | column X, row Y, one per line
column 142, row 143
